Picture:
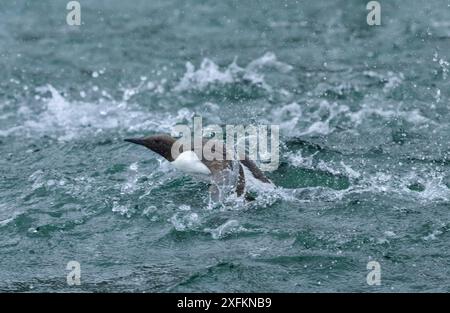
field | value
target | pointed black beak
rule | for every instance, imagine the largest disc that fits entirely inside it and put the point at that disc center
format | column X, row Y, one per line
column 138, row 141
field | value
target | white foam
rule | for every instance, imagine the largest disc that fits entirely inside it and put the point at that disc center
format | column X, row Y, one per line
column 225, row 229
column 185, row 222
column 433, row 235
column 7, row 214
column 68, row 120
column 121, row 209
column 391, row 80
column 319, row 117
column 130, row 186
column 298, row 160
column 210, row 73
column 6, row 221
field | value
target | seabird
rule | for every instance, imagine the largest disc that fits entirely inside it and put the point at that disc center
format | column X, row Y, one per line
column 219, row 172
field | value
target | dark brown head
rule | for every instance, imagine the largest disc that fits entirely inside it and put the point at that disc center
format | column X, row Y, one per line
column 161, row 144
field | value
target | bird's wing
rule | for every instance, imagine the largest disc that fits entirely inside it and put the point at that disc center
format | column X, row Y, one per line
column 256, row 172
column 219, row 165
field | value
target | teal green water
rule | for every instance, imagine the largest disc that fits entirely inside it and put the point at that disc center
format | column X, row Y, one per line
column 365, row 159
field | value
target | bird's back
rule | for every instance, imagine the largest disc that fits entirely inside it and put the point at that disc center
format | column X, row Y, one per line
column 219, row 166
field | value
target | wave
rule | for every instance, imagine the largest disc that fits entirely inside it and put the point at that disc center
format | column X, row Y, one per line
column 209, row 73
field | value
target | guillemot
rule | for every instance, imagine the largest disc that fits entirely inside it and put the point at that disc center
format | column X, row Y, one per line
column 218, row 171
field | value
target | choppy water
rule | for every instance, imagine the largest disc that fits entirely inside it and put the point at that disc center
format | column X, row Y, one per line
column 364, row 115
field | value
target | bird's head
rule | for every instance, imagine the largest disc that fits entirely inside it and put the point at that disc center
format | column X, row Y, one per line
column 161, row 144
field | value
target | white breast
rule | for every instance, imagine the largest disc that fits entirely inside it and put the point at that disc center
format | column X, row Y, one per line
column 189, row 162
